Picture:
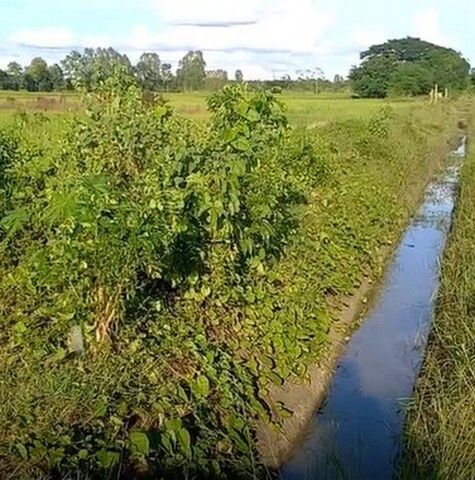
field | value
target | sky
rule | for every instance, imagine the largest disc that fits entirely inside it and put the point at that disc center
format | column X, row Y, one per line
column 263, row 38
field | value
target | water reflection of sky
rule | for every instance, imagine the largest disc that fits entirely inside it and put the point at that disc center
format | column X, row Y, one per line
column 356, row 433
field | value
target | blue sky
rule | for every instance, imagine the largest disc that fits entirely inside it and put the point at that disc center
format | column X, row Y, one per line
column 265, row 38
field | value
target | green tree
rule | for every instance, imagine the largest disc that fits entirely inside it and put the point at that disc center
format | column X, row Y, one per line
column 191, row 73
column 57, row 77
column 374, row 77
column 411, row 79
column 93, row 67
column 3, row 80
column 310, row 79
column 216, row 79
column 238, row 76
column 167, row 76
column 15, row 76
column 37, row 76
column 149, row 72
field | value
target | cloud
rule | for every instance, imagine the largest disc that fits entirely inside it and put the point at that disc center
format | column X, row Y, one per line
column 235, row 26
column 426, row 25
column 210, row 12
column 265, row 37
column 46, row 37
column 367, row 37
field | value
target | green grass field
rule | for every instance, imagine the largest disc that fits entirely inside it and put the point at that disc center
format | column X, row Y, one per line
column 302, row 108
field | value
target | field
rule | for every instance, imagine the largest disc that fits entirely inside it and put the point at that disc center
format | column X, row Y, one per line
column 441, row 428
column 158, row 275
column 302, row 108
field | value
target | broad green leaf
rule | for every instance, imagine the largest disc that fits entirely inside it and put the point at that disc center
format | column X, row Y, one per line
column 108, row 459
column 201, row 386
column 139, row 443
column 242, row 144
column 22, row 451
column 184, row 440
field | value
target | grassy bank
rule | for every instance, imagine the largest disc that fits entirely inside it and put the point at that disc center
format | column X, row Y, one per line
column 201, row 263
column 440, row 435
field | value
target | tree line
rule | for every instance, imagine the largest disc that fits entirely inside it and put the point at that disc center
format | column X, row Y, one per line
column 90, row 68
column 94, row 65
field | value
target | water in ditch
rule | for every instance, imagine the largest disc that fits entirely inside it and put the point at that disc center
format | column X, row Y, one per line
column 356, row 434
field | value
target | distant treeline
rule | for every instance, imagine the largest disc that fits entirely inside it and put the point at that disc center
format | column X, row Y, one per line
column 91, row 67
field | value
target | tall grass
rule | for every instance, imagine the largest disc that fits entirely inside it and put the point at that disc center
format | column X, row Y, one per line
column 440, row 436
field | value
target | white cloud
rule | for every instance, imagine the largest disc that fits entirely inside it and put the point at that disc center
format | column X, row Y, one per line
column 46, row 37
column 228, row 27
column 426, row 25
column 209, row 12
column 366, row 38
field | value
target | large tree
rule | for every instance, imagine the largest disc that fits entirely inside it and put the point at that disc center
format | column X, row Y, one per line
column 57, row 78
column 149, row 71
column 93, row 67
column 15, row 76
column 216, row 79
column 238, row 76
column 37, row 76
column 191, row 73
column 384, row 68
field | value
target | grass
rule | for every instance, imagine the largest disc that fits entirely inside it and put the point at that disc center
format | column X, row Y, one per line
column 303, row 108
column 440, row 434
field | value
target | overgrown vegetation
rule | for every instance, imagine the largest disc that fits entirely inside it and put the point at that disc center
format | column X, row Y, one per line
column 441, row 421
column 201, row 263
column 409, row 66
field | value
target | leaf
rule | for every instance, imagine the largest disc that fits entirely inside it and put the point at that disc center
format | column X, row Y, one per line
column 20, row 327
column 229, row 135
column 108, row 459
column 184, row 440
column 14, row 221
column 139, row 444
column 22, row 451
column 253, row 115
column 167, row 442
column 242, row 144
column 201, row 386
column 82, row 454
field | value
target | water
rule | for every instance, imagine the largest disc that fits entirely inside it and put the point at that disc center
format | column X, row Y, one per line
column 357, row 432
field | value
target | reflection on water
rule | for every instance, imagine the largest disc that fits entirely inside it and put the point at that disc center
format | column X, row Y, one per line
column 356, row 434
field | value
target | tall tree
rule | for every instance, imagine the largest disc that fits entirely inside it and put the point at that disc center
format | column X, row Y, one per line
column 167, row 76
column 3, row 80
column 380, row 69
column 238, row 76
column 37, row 76
column 311, row 78
column 15, row 76
column 191, row 71
column 94, row 66
column 57, row 77
column 216, row 79
column 149, row 72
